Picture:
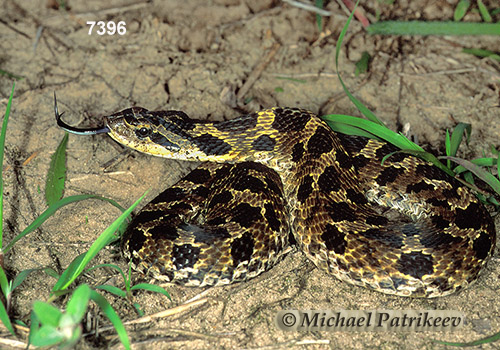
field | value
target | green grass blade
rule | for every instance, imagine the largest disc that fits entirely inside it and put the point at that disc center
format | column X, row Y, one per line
column 2, row 149
column 51, row 272
column 490, row 339
column 113, row 266
column 104, row 238
column 113, row 290
column 11, row 75
column 457, row 136
column 481, row 173
column 138, row 309
column 67, row 274
column 447, row 144
column 112, row 316
column 365, row 111
column 486, row 162
column 382, row 132
column 56, row 177
column 425, row 156
column 484, row 12
column 4, row 283
column 4, row 317
column 21, row 276
column 151, row 288
column 319, row 18
column 433, row 28
column 482, row 53
column 349, row 129
column 51, row 210
column 461, row 10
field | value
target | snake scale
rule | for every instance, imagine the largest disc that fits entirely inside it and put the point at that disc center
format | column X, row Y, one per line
column 403, row 227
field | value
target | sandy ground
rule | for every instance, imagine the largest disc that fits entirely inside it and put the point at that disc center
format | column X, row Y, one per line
column 197, row 56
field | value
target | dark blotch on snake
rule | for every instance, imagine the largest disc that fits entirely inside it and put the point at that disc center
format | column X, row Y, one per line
column 181, row 206
column 169, row 195
column 273, row 185
column 388, row 148
column 439, row 239
column 356, row 197
column 377, row 220
column 135, row 238
column 224, row 171
column 353, row 144
column 334, row 239
column 242, row 123
column 127, row 115
column 161, row 140
column 290, row 119
column 440, row 222
column 415, row 264
column 242, row 248
column 360, row 161
column 180, row 119
column 216, row 221
column 272, row 179
column 263, row 143
column 305, row 188
column 341, row 211
column 433, row 173
column 271, row 217
column 442, row 284
column 329, row 180
column 467, row 218
column 220, row 198
column 344, row 160
column 386, row 238
column 297, row 151
column 250, row 183
column 176, row 122
column 164, row 230
column 419, row 186
column 149, row 215
column 321, row 142
column 198, row 176
column 201, row 191
column 389, row 175
column 482, row 245
column 211, row 145
column 442, row 203
column 246, row 215
column 185, row 256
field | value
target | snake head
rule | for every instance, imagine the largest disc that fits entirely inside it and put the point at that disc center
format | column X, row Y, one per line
column 168, row 134
column 159, row 133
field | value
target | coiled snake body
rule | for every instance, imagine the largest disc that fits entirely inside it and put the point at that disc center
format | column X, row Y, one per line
column 404, row 227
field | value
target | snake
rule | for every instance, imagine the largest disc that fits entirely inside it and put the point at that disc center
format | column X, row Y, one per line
column 281, row 177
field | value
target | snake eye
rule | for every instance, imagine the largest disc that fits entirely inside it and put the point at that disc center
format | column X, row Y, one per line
column 143, row 132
